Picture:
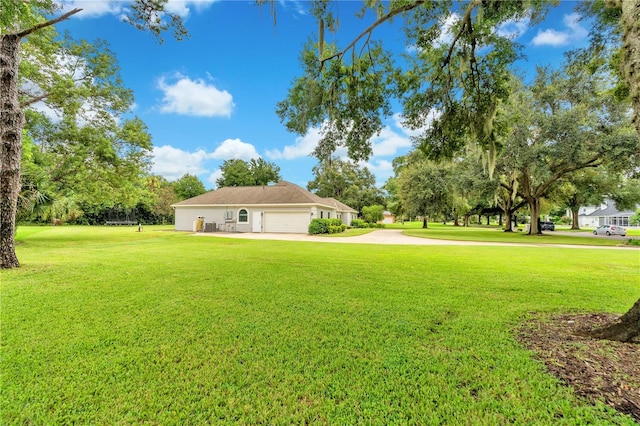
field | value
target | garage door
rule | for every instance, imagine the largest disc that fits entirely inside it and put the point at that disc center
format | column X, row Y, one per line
column 290, row 222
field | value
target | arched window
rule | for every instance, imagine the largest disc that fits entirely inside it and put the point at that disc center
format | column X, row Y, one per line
column 243, row 216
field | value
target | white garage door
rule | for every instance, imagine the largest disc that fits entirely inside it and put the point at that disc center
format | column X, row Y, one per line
column 289, row 222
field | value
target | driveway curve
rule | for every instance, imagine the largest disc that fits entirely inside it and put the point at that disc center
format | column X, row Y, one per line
column 388, row 237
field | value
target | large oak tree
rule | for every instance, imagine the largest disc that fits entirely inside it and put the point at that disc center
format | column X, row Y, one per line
column 18, row 21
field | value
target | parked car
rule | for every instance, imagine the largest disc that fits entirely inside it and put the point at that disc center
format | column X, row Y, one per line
column 610, row 230
column 547, row 226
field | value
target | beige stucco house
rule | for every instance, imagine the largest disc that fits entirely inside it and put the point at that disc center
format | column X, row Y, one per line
column 283, row 207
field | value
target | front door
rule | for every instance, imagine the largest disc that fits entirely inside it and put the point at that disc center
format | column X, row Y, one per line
column 256, row 225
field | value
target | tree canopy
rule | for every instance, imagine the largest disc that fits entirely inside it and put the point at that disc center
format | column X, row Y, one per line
column 348, row 90
column 347, row 182
column 188, row 186
column 251, row 173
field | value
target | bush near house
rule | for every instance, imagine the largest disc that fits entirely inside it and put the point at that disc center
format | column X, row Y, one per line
column 359, row 223
column 326, row 226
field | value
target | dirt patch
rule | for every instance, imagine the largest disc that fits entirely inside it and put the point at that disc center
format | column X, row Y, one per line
column 597, row 369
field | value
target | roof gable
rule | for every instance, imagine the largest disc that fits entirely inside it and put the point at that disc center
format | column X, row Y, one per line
column 339, row 205
column 281, row 193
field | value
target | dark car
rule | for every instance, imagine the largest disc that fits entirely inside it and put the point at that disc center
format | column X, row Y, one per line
column 547, row 226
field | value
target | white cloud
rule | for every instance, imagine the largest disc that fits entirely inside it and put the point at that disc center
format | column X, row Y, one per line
column 298, row 5
column 94, row 9
column 388, row 143
column 173, row 163
column 382, row 169
column 444, row 38
column 514, row 28
column 52, row 114
column 302, row 147
column 446, row 33
column 196, row 98
column 183, row 7
column 398, row 122
column 213, row 177
column 235, row 149
column 378, row 166
column 573, row 32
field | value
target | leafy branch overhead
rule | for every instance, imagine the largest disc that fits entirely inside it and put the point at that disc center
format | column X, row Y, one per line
column 348, row 92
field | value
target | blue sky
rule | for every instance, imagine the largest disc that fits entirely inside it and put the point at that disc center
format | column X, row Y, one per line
column 212, row 97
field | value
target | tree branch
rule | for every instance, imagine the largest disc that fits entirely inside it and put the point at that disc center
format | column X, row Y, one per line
column 372, row 27
column 593, row 162
column 60, row 18
column 466, row 21
column 33, row 100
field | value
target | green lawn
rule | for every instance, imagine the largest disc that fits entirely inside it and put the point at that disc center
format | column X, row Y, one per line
column 496, row 234
column 111, row 326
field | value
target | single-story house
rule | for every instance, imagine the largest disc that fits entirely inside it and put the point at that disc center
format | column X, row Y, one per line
column 283, row 207
column 603, row 214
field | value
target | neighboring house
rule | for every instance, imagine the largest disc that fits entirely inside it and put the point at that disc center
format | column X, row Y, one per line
column 604, row 214
column 283, row 207
column 388, row 217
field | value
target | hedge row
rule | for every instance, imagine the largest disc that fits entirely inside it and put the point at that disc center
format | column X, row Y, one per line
column 359, row 223
column 326, row 226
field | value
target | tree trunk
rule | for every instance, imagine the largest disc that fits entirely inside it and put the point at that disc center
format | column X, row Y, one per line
column 455, row 219
column 574, row 218
column 630, row 61
column 534, row 209
column 500, row 219
column 424, row 222
column 624, row 329
column 507, row 222
column 11, row 123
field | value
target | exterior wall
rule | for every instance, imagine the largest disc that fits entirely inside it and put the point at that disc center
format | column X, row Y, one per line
column 588, row 221
column 185, row 216
column 227, row 219
column 595, row 221
column 326, row 214
column 293, row 220
column 346, row 217
column 388, row 218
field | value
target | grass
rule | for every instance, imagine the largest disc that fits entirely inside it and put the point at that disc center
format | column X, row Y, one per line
column 351, row 232
column 107, row 325
column 496, row 234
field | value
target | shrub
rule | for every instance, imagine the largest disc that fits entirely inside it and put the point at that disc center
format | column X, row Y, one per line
column 373, row 214
column 326, row 226
column 358, row 223
column 335, row 222
column 333, row 229
column 319, row 226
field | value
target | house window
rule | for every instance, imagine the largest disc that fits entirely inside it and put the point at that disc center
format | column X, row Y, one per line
column 328, row 215
column 321, row 214
column 243, row 216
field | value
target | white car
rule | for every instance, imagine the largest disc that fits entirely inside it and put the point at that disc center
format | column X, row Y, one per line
column 610, row 230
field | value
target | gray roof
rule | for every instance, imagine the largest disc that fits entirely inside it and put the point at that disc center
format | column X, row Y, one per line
column 281, row 193
column 339, row 205
column 611, row 210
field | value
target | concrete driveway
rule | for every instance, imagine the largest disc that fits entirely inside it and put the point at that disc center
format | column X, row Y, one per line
column 383, row 236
